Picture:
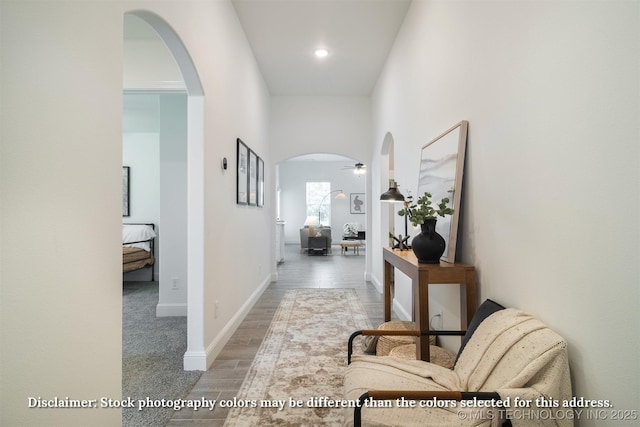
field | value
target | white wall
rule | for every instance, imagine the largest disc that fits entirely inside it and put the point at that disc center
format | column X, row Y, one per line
column 141, row 153
column 293, row 178
column 173, row 206
column 551, row 217
column 236, row 106
column 320, row 124
column 61, row 188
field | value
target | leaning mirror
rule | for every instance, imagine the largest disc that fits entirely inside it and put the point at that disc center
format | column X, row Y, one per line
column 441, row 169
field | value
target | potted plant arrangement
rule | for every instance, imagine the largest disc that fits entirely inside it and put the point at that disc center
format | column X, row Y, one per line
column 429, row 245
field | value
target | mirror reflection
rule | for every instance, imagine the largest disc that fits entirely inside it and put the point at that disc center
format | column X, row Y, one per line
column 441, row 169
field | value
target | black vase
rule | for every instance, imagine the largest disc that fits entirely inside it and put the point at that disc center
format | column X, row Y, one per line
column 428, row 245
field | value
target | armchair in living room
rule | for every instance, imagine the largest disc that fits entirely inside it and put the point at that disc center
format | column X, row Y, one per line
column 507, row 356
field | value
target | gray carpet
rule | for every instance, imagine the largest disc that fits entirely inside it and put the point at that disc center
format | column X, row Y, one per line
column 152, row 351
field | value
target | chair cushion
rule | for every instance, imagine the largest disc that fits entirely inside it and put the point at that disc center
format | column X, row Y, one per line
column 485, row 310
column 386, row 343
column 438, row 355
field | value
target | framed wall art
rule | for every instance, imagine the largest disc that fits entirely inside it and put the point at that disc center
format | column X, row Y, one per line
column 253, row 178
column 125, row 191
column 242, row 173
column 357, row 203
column 260, row 182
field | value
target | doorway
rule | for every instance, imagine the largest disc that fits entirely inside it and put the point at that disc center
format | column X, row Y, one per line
column 193, row 284
column 344, row 203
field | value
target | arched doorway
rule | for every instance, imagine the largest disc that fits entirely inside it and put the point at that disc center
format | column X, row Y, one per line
column 340, row 174
column 194, row 358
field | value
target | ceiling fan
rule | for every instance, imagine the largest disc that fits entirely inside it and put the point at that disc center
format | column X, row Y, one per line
column 358, row 168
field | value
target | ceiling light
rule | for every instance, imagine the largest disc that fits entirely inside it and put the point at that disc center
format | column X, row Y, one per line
column 359, row 169
column 321, row 53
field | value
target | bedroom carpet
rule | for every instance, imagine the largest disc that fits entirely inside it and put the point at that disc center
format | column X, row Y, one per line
column 152, row 351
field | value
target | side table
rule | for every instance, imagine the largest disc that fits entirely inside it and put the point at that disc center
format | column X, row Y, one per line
column 318, row 244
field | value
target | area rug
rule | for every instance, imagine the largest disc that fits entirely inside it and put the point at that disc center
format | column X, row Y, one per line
column 301, row 360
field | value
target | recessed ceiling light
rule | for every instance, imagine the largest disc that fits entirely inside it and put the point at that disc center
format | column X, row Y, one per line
column 321, row 52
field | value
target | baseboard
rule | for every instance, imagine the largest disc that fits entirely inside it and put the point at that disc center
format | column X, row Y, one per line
column 377, row 284
column 204, row 360
column 171, row 310
column 367, row 276
column 400, row 311
column 195, row 361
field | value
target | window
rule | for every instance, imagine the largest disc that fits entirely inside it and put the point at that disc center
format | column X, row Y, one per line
column 318, row 205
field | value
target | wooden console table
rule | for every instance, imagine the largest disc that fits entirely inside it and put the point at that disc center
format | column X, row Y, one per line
column 423, row 275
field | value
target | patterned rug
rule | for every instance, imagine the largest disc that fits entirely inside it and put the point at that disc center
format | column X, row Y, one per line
column 302, row 358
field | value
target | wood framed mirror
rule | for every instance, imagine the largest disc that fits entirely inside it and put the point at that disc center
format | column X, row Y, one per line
column 441, row 172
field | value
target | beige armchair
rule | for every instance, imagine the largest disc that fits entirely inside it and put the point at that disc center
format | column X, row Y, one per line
column 508, row 356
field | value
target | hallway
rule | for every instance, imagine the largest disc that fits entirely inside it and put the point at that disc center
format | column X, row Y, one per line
column 224, row 378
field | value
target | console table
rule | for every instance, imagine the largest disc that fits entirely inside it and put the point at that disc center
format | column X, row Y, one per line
column 423, row 275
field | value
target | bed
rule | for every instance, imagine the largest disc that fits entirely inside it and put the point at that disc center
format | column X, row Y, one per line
column 138, row 247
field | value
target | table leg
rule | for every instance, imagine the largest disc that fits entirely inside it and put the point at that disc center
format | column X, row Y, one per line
column 421, row 313
column 469, row 302
column 388, row 270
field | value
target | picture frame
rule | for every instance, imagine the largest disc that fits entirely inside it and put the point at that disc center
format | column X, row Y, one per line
column 260, row 182
column 441, row 175
column 252, row 184
column 125, row 191
column 357, row 203
column 242, row 172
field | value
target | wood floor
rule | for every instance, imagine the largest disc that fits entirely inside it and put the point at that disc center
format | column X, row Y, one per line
column 224, row 378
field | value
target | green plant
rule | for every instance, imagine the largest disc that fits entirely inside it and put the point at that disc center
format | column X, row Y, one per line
column 417, row 212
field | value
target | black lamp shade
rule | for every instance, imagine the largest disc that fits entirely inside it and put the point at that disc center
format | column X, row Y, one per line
column 392, row 194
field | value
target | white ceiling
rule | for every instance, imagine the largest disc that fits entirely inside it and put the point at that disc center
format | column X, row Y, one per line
column 284, row 33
